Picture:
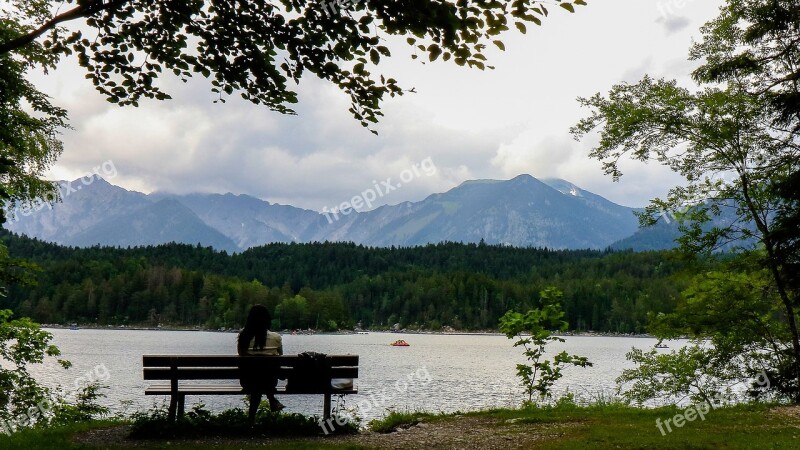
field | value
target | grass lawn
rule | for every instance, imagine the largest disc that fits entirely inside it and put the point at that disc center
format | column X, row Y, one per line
column 740, row 427
column 563, row 427
column 56, row 437
column 63, row 438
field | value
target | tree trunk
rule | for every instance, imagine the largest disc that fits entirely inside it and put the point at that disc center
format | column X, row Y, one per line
column 774, row 267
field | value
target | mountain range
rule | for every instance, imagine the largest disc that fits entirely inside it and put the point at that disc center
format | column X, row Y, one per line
column 523, row 211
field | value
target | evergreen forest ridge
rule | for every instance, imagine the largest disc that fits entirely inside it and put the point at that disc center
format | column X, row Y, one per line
column 332, row 286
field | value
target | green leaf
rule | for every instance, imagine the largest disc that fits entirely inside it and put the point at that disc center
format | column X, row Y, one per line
column 434, row 52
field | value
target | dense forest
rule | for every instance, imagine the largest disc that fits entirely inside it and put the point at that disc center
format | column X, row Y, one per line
column 339, row 285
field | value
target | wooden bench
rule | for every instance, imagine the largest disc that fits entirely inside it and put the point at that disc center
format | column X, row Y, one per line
column 183, row 372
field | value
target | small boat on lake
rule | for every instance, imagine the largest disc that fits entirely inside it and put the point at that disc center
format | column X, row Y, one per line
column 660, row 345
column 399, row 343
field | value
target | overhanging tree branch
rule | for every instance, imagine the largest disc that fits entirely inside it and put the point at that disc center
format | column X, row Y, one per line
column 84, row 9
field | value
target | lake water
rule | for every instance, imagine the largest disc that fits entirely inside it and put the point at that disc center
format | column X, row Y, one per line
column 436, row 373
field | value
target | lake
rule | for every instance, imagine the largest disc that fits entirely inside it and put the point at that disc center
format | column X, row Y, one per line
column 436, row 373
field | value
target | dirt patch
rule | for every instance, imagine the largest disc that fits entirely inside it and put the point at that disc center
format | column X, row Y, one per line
column 457, row 433
column 464, row 432
column 117, row 437
column 789, row 411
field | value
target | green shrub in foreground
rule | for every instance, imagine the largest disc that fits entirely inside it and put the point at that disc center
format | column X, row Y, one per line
column 232, row 422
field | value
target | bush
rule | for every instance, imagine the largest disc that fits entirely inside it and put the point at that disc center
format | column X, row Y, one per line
column 532, row 331
column 23, row 401
column 84, row 409
column 396, row 420
column 232, row 422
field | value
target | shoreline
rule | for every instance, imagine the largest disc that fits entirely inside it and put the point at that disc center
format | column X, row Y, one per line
column 335, row 333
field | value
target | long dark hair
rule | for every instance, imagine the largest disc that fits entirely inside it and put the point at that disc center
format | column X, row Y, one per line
column 257, row 325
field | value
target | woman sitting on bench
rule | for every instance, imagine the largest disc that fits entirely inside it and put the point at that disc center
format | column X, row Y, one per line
column 256, row 339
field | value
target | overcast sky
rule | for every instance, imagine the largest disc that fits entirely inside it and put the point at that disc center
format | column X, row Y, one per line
column 471, row 124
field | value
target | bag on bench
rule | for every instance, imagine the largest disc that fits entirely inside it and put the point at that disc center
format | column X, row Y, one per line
column 306, row 374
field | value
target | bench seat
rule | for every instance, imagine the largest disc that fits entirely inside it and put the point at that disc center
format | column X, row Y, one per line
column 223, row 389
column 183, row 375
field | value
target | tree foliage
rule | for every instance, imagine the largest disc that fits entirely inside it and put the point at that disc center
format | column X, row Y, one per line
column 259, row 48
column 755, row 43
column 29, row 126
column 29, row 144
column 721, row 140
column 22, row 343
column 694, row 373
column 734, row 139
column 737, row 310
column 741, row 343
column 464, row 286
column 533, row 331
column 786, row 228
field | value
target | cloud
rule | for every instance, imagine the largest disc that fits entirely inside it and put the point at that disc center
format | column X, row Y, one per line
column 673, row 24
column 636, row 73
column 318, row 158
column 472, row 124
column 564, row 158
column 530, row 153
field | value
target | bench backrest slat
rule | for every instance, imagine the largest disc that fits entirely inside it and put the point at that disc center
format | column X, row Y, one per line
column 236, row 361
column 225, row 373
column 230, row 367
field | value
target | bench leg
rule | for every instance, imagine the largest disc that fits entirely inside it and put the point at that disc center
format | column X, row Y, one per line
column 173, row 406
column 181, row 405
column 327, row 407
